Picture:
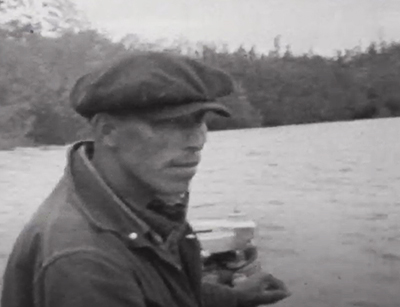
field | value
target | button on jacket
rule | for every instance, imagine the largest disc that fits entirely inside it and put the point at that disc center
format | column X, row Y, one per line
column 85, row 247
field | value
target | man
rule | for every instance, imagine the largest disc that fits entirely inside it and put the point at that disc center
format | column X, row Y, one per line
column 113, row 232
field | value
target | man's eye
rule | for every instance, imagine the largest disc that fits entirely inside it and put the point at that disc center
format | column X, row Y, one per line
column 177, row 120
column 164, row 122
column 182, row 121
column 201, row 118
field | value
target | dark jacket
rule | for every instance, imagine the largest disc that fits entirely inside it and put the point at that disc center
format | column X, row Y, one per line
column 84, row 247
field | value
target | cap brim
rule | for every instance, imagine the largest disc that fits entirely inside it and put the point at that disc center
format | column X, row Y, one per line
column 182, row 110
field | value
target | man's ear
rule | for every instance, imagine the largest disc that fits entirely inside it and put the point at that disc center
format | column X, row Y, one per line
column 105, row 129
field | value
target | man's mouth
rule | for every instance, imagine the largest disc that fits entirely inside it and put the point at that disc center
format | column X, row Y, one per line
column 186, row 164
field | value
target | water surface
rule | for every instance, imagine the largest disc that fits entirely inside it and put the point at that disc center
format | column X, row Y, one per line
column 326, row 198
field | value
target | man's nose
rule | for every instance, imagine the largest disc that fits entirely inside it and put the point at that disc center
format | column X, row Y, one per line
column 197, row 137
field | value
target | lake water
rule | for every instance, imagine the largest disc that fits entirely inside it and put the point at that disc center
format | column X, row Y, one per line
column 326, row 198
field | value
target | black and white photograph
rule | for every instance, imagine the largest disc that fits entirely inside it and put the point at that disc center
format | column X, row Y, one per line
column 199, row 153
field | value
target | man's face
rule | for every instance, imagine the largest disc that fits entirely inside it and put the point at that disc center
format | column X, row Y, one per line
column 162, row 154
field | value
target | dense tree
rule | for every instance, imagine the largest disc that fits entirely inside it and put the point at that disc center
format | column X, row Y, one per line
column 45, row 17
column 278, row 88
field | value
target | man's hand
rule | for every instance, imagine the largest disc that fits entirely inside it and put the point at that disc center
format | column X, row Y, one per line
column 260, row 289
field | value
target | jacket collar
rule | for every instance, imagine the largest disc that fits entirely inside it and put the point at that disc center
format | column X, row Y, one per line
column 106, row 211
column 101, row 206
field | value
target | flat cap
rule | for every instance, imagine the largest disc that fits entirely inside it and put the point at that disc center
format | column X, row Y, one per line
column 156, row 82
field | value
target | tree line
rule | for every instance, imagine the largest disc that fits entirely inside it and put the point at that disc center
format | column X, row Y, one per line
column 275, row 88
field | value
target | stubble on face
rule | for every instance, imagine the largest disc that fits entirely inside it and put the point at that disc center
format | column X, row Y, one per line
column 163, row 155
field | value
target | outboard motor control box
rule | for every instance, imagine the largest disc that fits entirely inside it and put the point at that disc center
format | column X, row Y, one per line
column 229, row 252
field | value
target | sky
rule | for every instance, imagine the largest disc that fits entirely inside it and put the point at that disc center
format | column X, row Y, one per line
column 321, row 25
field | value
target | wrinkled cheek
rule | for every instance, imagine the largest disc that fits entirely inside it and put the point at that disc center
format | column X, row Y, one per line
column 149, row 165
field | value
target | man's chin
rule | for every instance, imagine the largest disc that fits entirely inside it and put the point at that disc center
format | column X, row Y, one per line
column 172, row 199
column 172, row 189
